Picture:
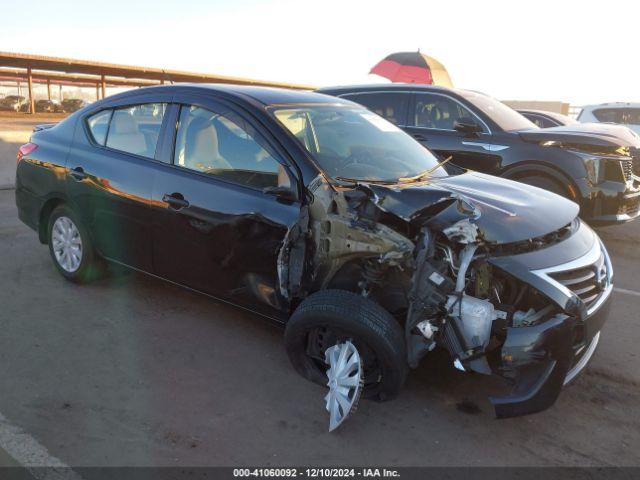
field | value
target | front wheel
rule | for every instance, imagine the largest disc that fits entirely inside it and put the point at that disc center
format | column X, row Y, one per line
column 71, row 248
column 335, row 317
column 546, row 184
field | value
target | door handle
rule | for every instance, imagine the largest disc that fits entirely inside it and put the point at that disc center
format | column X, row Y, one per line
column 420, row 137
column 78, row 173
column 175, row 201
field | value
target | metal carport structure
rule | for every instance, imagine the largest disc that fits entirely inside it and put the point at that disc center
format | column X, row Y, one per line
column 66, row 71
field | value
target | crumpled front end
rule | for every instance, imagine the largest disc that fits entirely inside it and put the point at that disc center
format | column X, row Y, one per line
column 504, row 287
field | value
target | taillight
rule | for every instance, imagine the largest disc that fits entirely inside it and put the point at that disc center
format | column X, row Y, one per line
column 26, row 149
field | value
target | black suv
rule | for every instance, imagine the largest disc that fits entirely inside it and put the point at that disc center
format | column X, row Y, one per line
column 590, row 165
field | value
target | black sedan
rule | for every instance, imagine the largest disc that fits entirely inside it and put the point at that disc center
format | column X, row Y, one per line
column 545, row 119
column 594, row 166
column 314, row 212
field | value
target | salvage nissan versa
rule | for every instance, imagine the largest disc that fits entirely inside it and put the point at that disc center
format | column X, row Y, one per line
column 595, row 166
column 314, row 212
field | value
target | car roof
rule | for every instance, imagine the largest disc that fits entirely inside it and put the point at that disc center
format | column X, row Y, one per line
column 612, row 105
column 386, row 86
column 264, row 95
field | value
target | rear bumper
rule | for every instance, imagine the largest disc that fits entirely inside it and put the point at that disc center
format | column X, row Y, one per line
column 29, row 207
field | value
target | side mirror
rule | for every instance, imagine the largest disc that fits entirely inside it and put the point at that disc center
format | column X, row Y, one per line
column 467, row 126
column 282, row 193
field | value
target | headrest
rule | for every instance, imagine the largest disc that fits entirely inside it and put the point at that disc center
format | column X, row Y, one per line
column 124, row 123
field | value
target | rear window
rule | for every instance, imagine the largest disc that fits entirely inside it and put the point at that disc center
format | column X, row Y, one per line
column 98, row 126
column 134, row 129
column 609, row 115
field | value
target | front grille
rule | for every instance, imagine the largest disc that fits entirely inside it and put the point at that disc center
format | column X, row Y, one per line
column 627, row 168
column 586, row 282
column 635, row 154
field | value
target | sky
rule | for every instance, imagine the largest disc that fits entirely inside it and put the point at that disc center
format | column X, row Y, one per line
column 573, row 51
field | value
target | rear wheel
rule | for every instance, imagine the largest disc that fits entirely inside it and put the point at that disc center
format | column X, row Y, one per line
column 70, row 246
column 335, row 317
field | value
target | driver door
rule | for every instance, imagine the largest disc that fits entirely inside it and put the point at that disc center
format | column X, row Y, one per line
column 218, row 225
column 431, row 121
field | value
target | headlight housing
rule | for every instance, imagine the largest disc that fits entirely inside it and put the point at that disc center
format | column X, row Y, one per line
column 600, row 163
column 602, row 167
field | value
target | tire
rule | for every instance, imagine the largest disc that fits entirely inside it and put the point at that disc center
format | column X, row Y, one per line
column 330, row 316
column 83, row 266
column 546, row 184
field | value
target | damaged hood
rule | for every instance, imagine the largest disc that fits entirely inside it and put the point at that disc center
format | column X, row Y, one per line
column 504, row 211
column 592, row 134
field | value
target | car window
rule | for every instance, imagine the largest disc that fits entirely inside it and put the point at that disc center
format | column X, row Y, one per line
column 226, row 146
column 609, row 115
column 438, row 111
column 504, row 116
column 631, row 116
column 540, row 121
column 98, row 126
column 392, row 106
column 136, row 129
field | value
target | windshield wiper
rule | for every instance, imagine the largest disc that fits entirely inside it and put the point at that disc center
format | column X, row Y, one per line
column 426, row 173
column 364, row 180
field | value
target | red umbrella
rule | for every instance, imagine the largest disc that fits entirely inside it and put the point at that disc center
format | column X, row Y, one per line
column 413, row 67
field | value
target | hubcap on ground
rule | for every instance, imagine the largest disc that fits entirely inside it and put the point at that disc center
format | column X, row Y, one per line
column 345, row 382
column 67, row 244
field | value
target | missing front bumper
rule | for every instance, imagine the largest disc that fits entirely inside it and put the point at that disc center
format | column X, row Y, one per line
column 541, row 359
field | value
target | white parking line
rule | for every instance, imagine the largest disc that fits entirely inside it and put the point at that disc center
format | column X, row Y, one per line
column 628, row 292
column 30, row 454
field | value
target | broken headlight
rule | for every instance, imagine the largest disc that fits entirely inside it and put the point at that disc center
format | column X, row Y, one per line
column 603, row 166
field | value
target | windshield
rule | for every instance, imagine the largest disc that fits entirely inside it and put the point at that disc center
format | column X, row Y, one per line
column 354, row 143
column 505, row 117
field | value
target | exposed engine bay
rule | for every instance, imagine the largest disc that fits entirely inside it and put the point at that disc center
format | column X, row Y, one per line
column 453, row 270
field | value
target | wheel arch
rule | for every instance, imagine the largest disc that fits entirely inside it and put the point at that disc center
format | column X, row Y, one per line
column 555, row 174
column 45, row 212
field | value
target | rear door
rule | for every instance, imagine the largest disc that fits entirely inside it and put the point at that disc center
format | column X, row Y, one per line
column 431, row 121
column 217, row 228
column 110, row 176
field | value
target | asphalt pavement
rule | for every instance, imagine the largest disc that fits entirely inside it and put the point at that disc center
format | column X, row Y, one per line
column 133, row 371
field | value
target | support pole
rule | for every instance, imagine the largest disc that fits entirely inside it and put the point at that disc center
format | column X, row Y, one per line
column 60, row 92
column 32, row 102
column 49, row 89
column 104, row 86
